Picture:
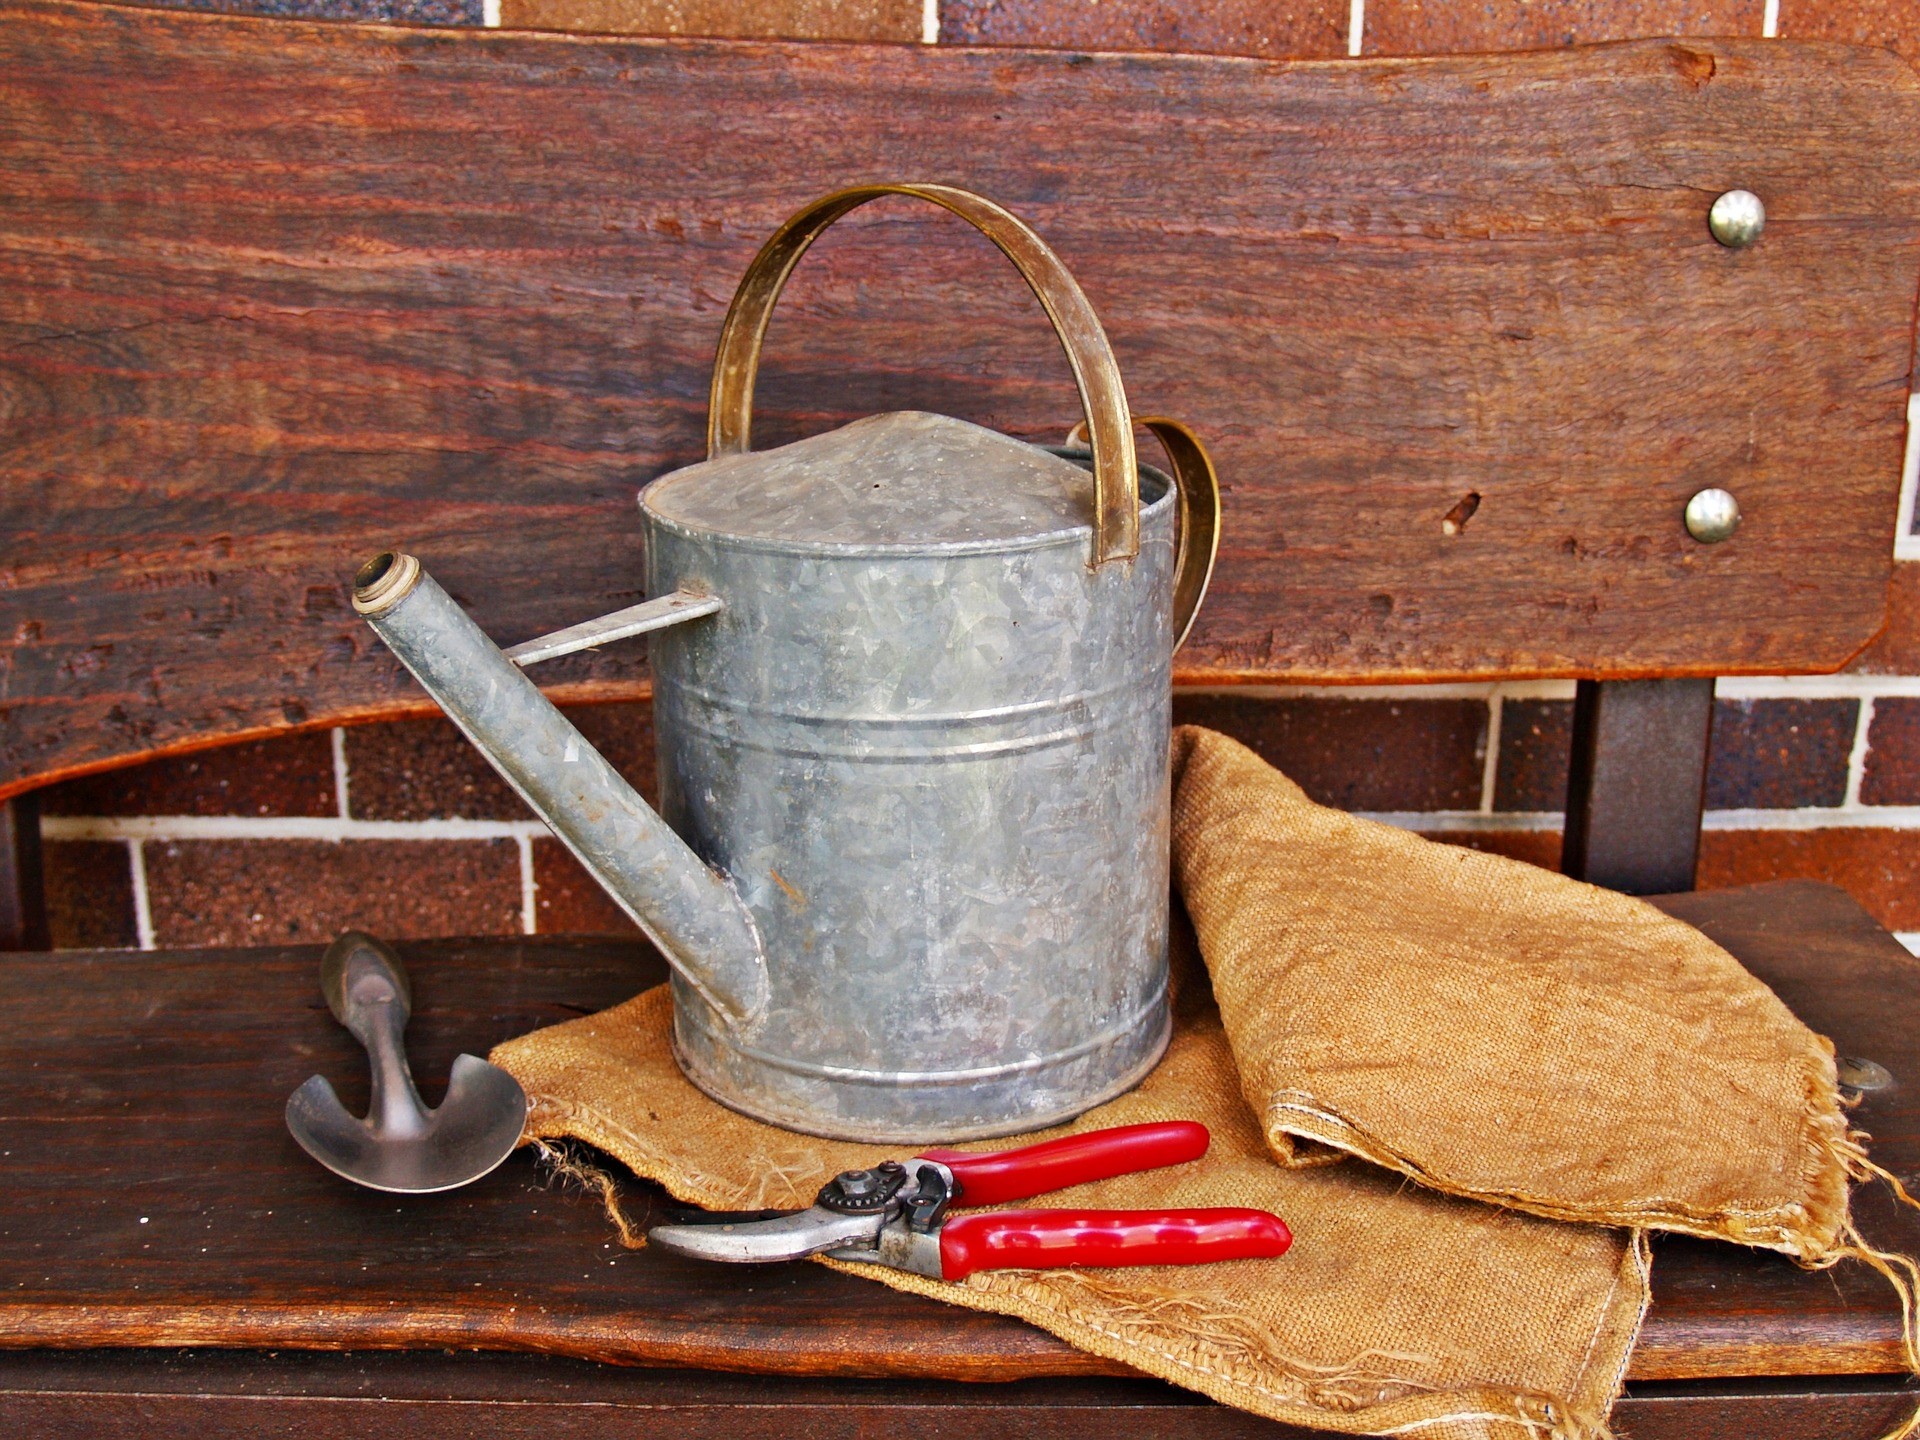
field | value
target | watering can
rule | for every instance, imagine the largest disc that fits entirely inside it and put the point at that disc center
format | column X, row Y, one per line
column 912, row 694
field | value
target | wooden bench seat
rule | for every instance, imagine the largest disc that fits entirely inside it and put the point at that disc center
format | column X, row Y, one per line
column 155, row 1200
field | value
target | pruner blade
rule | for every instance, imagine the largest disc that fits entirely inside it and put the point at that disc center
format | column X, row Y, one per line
column 785, row 1237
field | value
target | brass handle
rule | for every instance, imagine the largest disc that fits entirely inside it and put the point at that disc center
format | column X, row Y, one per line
column 1116, row 498
column 1198, row 487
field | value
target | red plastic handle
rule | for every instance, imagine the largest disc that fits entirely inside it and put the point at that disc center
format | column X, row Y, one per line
column 1051, row 1239
column 1002, row 1175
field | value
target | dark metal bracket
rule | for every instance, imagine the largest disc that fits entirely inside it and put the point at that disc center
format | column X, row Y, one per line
column 23, row 895
column 1636, row 784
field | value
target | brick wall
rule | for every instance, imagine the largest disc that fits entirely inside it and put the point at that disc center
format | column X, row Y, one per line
column 402, row 829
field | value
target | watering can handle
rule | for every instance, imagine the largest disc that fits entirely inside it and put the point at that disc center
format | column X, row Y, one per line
column 1116, row 500
column 1198, row 488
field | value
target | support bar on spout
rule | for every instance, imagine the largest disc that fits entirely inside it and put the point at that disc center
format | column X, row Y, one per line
column 685, row 907
column 621, row 624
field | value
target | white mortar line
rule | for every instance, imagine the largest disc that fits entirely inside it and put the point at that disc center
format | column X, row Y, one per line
column 1770, row 20
column 278, row 827
column 1857, row 756
column 1728, row 687
column 929, row 35
column 1909, row 938
column 1906, row 545
column 1476, row 821
column 529, row 911
column 1463, row 690
column 142, row 908
column 1816, row 817
column 340, row 773
column 1813, row 817
column 1356, row 25
column 490, row 14
column 1814, row 687
column 1490, row 771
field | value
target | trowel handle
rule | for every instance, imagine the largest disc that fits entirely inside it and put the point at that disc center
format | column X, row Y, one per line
column 1116, row 499
column 356, row 955
column 367, row 989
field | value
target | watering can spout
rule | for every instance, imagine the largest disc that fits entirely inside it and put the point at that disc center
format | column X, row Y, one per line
column 688, row 909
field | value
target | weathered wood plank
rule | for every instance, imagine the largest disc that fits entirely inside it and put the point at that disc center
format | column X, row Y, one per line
column 152, row 1085
column 435, row 1395
column 274, row 294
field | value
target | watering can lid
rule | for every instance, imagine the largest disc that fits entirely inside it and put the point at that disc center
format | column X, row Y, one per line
column 906, row 478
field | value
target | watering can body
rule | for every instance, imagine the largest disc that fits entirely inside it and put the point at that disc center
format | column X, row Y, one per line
column 912, row 690
column 936, row 770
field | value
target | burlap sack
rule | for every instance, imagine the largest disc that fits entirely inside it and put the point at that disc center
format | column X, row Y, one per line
column 1397, row 1310
column 1498, row 1031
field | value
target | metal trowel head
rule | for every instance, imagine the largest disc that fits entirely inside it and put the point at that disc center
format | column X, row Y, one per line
column 401, row 1146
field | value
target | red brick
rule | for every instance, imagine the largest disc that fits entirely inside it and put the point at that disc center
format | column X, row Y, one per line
column 724, row 19
column 1780, row 754
column 1278, row 29
column 1535, row 736
column 568, row 900
column 1536, row 847
column 423, row 770
column 1879, row 868
column 90, row 895
column 427, row 770
column 1445, row 27
column 1892, row 772
column 270, row 892
column 1358, row 754
column 288, row 775
column 1894, row 24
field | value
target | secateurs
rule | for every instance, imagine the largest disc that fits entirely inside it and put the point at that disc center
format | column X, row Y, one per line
column 896, row 1213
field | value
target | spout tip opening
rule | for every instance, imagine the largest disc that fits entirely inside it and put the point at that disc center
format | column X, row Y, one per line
column 384, row 581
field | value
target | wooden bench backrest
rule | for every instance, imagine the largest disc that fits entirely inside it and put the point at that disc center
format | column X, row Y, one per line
column 273, row 296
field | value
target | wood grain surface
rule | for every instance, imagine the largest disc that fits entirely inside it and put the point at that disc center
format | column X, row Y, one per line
column 154, row 1198
column 276, row 294
column 447, row 1395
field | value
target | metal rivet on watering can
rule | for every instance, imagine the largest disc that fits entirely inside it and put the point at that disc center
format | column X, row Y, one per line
column 1737, row 218
column 1712, row 516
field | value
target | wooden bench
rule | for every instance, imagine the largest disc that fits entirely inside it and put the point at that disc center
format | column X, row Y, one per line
column 273, row 295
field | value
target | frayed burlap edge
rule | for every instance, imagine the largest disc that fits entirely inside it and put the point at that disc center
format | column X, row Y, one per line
column 1813, row 1234
column 1217, row 1355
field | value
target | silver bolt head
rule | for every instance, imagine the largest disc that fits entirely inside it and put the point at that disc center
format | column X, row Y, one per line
column 1737, row 218
column 1712, row 516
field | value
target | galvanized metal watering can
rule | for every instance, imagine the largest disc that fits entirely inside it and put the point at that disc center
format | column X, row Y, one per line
column 912, row 682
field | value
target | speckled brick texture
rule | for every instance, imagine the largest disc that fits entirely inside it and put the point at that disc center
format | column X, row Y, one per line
column 1893, row 24
column 722, row 19
column 90, row 895
column 288, row 776
column 276, row 892
column 1446, row 27
column 567, row 900
column 1891, row 775
column 1534, row 739
column 1359, row 754
column 426, row 770
column 405, row 12
column 1278, row 29
column 1780, row 754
